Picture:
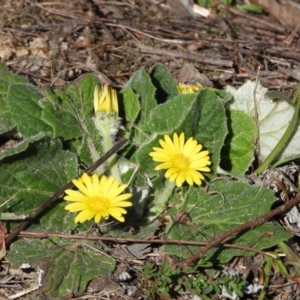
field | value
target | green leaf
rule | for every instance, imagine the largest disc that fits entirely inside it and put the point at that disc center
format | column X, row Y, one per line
column 60, row 115
column 89, row 145
column 211, row 129
column 226, row 205
column 82, row 94
column 69, row 112
column 22, row 146
column 173, row 115
column 141, row 84
column 166, row 86
column 130, row 102
column 205, row 3
column 229, row 2
column 66, row 267
column 6, row 122
column 238, row 151
column 66, row 110
column 3, row 67
column 291, row 256
column 200, row 115
column 273, row 119
column 250, row 8
column 32, row 176
column 6, row 80
column 224, row 96
column 26, row 112
column 167, row 118
column 277, row 96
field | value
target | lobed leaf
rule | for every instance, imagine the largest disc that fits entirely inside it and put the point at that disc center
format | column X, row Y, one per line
column 226, row 205
column 64, row 266
column 31, row 177
column 238, row 151
column 273, row 118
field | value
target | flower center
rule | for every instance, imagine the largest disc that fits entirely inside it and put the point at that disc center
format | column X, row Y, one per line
column 98, row 203
column 181, row 162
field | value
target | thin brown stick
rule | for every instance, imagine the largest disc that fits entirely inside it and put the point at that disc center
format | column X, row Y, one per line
column 251, row 224
column 56, row 196
column 258, row 20
column 133, row 240
column 290, row 38
column 284, row 53
column 186, row 55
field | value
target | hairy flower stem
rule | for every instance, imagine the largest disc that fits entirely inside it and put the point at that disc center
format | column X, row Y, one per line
column 93, row 151
column 161, row 199
column 112, row 161
column 107, row 122
column 107, row 125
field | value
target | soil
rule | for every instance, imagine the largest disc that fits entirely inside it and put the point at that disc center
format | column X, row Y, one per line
column 56, row 42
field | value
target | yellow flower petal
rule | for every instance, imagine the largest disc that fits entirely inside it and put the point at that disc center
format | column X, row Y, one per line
column 116, row 214
column 74, row 196
column 121, row 204
column 105, row 99
column 76, row 207
column 188, row 89
column 181, row 160
column 84, row 215
column 97, row 198
column 121, row 197
column 81, row 187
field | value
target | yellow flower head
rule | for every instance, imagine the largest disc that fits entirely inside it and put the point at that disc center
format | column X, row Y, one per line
column 183, row 160
column 97, row 198
column 188, row 89
column 105, row 98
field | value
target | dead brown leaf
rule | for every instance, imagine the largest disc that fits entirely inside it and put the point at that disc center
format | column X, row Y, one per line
column 287, row 13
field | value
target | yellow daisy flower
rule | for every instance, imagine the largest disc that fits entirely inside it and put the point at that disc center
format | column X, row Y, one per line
column 183, row 160
column 97, row 198
column 105, row 98
column 188, row 89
